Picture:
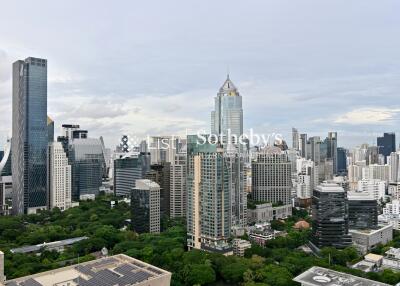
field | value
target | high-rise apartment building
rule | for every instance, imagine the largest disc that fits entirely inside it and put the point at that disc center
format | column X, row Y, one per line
column 59, row 177
column 394, row 167
column 306, row 180
column 209, row 196
column 386, row 144
column 271, row 176
column 29, row 135
column 178, row 194
column 330, row 226
column 145, row 207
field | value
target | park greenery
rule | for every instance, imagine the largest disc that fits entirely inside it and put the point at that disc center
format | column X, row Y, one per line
column 275, row 265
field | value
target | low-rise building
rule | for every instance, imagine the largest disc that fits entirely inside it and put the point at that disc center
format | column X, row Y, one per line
column 392, row 259
column 240, row 246
column 371, row 262
column 366, row 239
column 261, row 233
column 266, row 212
column 114, row 270
column 319, row 276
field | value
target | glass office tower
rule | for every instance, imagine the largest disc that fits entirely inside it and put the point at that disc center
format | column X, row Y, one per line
column 228, row 112
column 87, row 160
column 386, row 144
column 29, row 135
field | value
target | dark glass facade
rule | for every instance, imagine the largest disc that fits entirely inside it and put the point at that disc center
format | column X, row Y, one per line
column 330, row 225
column 363, row 214
column 140, row 210
column 29, row 134
column 386, row 144
column 88, row 164
column 341, row 160
column 160, row 173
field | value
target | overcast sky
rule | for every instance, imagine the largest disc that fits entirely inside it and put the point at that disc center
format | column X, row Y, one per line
column 154, row 67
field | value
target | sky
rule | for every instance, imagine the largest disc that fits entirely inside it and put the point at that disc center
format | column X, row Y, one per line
column 153, row 67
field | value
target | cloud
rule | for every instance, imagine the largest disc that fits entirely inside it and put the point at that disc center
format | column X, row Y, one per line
column 369, row 115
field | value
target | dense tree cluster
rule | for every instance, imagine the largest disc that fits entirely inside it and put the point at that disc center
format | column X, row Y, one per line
column 275, row 265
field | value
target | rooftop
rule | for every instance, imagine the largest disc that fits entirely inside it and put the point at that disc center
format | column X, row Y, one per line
column 393, row 251
column 115, row 270
column 54, row 244
column 318, row 276
column 329, row 187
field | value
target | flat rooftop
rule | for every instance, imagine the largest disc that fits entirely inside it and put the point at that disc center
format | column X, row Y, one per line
column 318, row 276
column 119, row 270
column 54, row 244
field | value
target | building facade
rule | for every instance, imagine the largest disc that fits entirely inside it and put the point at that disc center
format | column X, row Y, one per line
column 271, row 176
column 330, row 225
column 145, row 207
column 127, row 169
column 363, row 210
column 209, row 197
column 86, row 157
column 30, row 135
column 178, row 196
column 58, row 178
column 386, row 144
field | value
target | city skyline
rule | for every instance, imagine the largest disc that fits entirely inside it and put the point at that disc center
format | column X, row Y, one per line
column 313, row 66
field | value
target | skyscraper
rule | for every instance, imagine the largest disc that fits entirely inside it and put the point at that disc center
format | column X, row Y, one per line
column 330, row 225
column 228, row 113
column 86, row 157
column 59, row 178
column 314, row 150
column 160, row 174
column 303, row 145
column 209, row 196
column 341, row 160
column 178, row 194
column 386, row 144
column 295, row 139
column 127, row 169
column 227, row 120
column 332, row 149
column 29, row 135
column 271, row 176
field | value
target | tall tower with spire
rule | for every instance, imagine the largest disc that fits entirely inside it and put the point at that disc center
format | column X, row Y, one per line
column 227, row 119
column 228, row 112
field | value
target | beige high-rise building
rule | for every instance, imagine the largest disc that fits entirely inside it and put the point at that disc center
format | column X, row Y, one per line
column 59, row 177
column 178, row 186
